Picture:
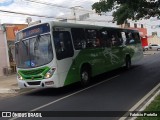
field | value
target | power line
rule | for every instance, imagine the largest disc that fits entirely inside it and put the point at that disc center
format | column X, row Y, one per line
column 45, row 3
column 48, row 4
column 20, row 13
column 55, row 5
column 91, row 20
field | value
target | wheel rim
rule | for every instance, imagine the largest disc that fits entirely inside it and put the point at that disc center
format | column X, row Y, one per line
column 85, row 76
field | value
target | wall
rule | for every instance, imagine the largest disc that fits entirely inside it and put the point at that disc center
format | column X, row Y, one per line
column 154, row 40
column 12, row 29
column 143, row 34
column 3, row 52
column 7, row 39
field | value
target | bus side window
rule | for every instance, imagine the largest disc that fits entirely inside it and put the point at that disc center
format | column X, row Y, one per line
column 130, row 38
column 115, row 37
column 105, row 39
column 78, row 36
column 63, row 44
column 98, row 42
column 136, row 37
column 119, row 39
column 127, row 38
column 92, row 40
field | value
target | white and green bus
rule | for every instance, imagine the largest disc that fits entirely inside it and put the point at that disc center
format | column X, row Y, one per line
column 57, row 54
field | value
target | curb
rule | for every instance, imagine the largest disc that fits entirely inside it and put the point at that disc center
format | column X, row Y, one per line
column 148, row 103
column 143, row 103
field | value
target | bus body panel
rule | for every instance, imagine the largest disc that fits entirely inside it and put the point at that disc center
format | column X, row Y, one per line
column 103, row 61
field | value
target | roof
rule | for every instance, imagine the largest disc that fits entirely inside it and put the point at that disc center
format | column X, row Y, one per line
column 75, row 25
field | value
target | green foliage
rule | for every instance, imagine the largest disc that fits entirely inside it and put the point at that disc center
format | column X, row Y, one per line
column 128, row 9
column 154, row 106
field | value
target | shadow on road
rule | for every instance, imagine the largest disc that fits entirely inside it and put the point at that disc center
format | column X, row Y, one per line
column 76, row 86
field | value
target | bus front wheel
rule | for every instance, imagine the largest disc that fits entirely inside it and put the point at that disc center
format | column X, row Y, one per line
column 85, row 76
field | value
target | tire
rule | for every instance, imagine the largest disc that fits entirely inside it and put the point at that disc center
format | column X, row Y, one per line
column 128, row 63
column 146, row 49
column 85, row 76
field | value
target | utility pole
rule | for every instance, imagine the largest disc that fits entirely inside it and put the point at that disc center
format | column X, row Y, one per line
column 73, row 12
column 28, row 20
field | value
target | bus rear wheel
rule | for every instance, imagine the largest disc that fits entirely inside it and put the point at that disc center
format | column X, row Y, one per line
column 128, row 62
column 85, row 76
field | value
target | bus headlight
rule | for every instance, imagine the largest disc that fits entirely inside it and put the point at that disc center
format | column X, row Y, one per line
column 20, row 77
column 49, row 73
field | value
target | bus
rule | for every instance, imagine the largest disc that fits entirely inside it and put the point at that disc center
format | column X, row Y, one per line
column 56, row 54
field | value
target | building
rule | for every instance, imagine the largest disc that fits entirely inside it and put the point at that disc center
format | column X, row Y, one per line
column 142, row 32
column 143, row 35
column 7, row 47
column 81, row 16
column 154, row 39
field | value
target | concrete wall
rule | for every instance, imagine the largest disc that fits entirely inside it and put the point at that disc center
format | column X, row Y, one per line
column 4, row 61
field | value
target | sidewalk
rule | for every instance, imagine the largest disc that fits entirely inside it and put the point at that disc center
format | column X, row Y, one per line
column 150, row 52
column 8, row 85
column 8, row 81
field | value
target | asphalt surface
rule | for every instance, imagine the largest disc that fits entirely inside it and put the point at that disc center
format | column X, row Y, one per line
column 118, row 90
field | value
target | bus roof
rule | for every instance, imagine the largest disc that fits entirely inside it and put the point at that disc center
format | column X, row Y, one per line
column 65, row 24
column 76, row 25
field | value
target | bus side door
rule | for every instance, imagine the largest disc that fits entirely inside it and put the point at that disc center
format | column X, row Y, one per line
column 64, row 53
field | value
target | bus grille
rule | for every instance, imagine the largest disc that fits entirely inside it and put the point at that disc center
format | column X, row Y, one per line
column 33, row 72
column 34, row 83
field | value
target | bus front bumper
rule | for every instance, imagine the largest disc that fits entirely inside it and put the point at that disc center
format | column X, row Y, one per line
column 45, row 83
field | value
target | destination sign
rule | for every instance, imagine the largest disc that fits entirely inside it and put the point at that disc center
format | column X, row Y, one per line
column 33, row 31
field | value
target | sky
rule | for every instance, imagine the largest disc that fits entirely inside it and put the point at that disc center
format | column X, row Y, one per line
column 59, row 9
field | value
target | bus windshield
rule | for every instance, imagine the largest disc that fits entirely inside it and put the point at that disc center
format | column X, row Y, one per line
column 34, row 52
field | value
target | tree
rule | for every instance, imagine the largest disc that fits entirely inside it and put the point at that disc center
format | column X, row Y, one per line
column 128, row 9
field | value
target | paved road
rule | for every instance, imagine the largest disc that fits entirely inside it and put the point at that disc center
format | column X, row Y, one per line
column 115, row 91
